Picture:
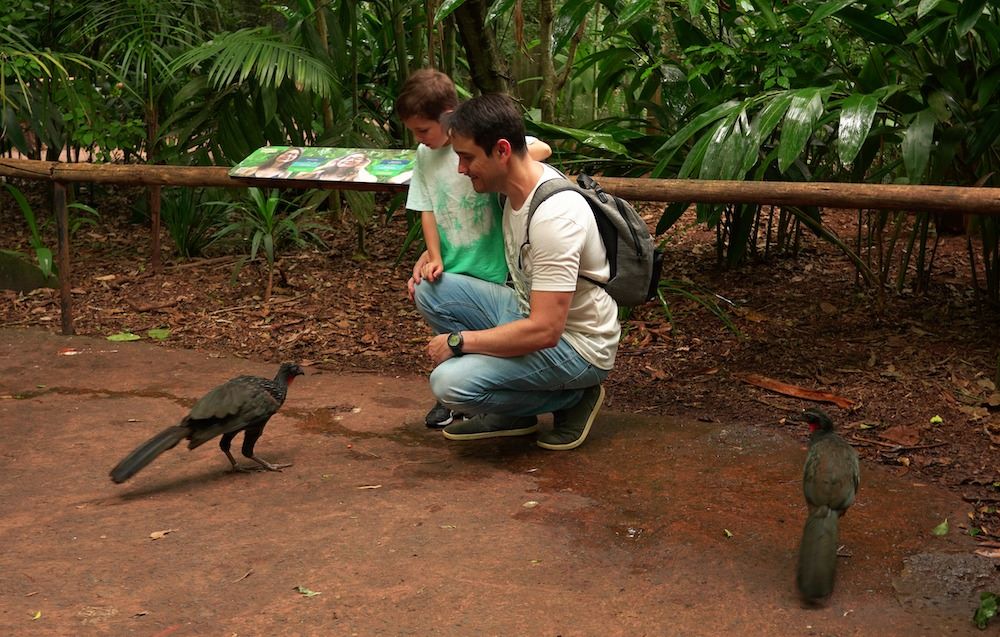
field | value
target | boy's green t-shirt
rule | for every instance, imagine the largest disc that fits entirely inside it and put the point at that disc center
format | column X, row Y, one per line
column 469, row 223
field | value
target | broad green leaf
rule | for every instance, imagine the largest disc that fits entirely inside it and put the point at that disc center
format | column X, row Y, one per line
column 800, row 119
column 969, row 13
column 856, row 116
column 159, row 334
column 44, row 256
column 124, row 336
column 873, row 29
column 594, row 139
column 699, row 122
column 632, row 11
column 917, row 140
column 926, row 6
column 695, row 6
column 499, row 8
column 764, row 7
column 715, row 154
column 694, row 158
column 445, row 9
column 827, row 9
column 571, row 15
column 670, row 215
column 941, row 529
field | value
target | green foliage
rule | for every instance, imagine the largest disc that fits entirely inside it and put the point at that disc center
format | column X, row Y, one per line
column 192, row 216
column 266, row 223
column 987, row 610
column 42, row 252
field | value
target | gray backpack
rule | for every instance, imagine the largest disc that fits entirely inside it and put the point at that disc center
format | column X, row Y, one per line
column 635, row 262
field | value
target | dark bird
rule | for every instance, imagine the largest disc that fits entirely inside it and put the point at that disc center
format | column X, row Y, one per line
column 244, row 403
column 830, row 482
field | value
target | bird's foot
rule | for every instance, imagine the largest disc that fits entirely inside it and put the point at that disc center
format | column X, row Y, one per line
column 262, row 465
column 269, row 466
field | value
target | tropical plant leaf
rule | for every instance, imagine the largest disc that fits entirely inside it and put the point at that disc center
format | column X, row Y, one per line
column 260, row 54
column 856, row 116
column 828, row 9
column 569, row 18
column 594, row 139
column 969, row 12
column 446, row 9
column 926, row 6
column 916, row 146
column 797, row 127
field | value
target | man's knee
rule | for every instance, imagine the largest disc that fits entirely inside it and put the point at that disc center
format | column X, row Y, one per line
column 453, row 385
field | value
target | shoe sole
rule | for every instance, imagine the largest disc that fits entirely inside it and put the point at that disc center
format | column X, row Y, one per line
column 500, row 433
column 586, row 430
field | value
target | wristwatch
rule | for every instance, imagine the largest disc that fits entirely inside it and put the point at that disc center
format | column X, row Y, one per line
column 455, row 342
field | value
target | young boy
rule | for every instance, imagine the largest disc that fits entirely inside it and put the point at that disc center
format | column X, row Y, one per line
column 462, row 228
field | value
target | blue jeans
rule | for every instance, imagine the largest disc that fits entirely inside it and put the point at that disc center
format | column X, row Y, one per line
column 544, row 381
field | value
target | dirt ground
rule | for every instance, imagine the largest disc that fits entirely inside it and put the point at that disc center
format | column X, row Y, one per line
column 691, row 448
column 657, row 526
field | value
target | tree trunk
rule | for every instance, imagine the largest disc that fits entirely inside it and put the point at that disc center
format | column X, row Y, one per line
column 489, row 73
column 546, row 66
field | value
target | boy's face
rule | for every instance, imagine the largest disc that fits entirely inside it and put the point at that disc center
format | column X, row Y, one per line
column 428, row 132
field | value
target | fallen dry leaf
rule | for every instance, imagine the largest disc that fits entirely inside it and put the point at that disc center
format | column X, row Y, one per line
column 796, row 391
column 156, row 535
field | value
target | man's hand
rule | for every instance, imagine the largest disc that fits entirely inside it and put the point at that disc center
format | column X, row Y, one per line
column 438, row 349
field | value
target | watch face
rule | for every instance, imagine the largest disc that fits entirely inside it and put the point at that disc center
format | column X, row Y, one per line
column 454, row 340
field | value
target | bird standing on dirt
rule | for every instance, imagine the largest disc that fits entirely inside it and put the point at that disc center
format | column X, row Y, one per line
column 244, row 404
column 830, row 482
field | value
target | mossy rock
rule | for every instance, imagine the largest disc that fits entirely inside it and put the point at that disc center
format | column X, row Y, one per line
column 21, row 275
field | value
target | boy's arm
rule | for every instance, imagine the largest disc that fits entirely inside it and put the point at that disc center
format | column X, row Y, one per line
column 537, row 149
column 434, row 266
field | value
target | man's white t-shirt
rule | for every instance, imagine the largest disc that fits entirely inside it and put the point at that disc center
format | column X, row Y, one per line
column 565, row 247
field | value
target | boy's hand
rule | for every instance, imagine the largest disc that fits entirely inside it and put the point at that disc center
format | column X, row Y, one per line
column 432, row 269
column 414, row 280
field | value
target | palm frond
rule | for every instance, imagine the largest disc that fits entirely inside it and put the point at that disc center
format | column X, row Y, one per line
column 261, row 55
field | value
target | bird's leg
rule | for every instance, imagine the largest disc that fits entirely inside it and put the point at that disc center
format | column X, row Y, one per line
column 250, row 436
column 224, row 444
column 269, row 466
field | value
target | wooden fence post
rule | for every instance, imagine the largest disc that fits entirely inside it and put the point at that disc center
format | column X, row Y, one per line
column 62, row 228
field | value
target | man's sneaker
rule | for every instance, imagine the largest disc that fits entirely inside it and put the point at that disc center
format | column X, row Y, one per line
column 491, row 426
column 571, row 426
column 439, row 416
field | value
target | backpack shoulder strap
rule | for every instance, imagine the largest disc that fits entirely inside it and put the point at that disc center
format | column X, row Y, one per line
column 543, row 192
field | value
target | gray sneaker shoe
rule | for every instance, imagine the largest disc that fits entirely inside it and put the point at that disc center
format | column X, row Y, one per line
column 491, row 426
column 571, row 426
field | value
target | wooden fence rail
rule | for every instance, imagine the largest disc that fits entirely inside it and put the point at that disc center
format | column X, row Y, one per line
column 954, row 199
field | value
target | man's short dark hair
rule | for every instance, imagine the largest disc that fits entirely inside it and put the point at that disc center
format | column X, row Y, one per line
column 489, row 118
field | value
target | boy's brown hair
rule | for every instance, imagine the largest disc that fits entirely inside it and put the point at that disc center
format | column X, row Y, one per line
column 427, row 93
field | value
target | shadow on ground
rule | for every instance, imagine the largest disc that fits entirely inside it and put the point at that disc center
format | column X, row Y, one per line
column 653, row 527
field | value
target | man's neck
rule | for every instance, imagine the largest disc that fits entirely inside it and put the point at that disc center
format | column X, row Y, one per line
column 522, row 176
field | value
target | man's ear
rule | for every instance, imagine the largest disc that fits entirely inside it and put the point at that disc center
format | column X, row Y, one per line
column 503, row 148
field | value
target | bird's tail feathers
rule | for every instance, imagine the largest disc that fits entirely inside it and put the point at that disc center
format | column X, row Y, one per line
column 818, row 554
column 147, row 452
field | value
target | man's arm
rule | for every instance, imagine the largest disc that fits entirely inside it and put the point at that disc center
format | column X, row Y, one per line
column 541, row 329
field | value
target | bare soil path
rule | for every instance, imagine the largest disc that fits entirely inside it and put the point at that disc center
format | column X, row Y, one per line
column 658, row 525
column 630, row 531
